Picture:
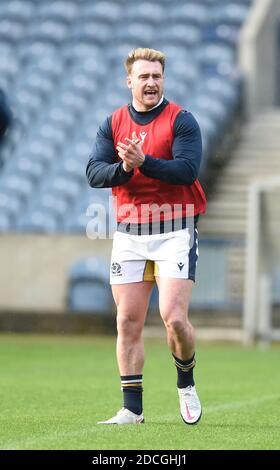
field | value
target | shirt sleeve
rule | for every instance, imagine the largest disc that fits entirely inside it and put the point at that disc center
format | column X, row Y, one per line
column 186, row 151
column 102, row 170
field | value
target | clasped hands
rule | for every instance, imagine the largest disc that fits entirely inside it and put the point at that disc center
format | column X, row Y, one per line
column 131, row 153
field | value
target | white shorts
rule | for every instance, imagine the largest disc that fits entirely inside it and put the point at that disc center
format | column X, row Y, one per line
column 137, row 258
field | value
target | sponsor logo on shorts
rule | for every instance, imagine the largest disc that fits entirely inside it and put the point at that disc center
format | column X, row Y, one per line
column 180, row 265
column 116, row 269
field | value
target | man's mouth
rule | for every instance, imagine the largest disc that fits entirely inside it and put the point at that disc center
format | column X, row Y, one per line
column 150, row 93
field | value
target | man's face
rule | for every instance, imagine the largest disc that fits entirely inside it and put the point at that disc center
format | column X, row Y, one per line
column 146, row 84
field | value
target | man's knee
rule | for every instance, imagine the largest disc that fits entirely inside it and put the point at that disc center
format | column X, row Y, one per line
column 178, row 326
column 128, row 325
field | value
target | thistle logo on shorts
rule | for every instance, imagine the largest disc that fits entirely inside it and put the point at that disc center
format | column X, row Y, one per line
column 116, row 269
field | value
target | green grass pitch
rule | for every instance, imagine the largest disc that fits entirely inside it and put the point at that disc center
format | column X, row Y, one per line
column 54, row 390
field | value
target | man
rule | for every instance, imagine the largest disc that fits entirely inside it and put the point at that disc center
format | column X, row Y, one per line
column 149, row 152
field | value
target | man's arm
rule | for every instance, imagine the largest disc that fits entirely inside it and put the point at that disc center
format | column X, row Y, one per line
column 186, row 151
column 102, row 171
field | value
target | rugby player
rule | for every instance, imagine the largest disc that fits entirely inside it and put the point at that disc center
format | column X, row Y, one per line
column 149, row 153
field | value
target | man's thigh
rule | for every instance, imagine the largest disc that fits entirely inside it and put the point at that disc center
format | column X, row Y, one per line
column 133, row 299
column 174, row 297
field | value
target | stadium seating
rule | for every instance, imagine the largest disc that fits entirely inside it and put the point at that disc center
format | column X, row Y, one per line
column 88, row 287
column 62, row 68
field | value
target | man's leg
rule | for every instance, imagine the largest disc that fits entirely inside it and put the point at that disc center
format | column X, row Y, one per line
column 132, row 301
column 174, row 299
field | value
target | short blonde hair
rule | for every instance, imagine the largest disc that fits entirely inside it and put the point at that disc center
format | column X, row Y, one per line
column 143, row 53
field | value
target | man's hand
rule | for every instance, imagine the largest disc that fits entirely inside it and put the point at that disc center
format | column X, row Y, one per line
column 131, row 154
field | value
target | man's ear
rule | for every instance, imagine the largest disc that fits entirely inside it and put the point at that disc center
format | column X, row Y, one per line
column 128, row 82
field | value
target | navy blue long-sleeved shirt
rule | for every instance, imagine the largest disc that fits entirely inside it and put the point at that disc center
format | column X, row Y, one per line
column 103, row 171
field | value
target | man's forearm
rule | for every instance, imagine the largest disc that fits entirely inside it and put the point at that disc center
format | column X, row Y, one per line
column 106, row 175
column 178, row 171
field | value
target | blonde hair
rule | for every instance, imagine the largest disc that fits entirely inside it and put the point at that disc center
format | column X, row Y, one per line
column 144, row 53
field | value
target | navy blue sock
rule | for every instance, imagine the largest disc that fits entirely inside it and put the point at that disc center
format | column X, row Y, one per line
column 132, row 393
column 185, row 371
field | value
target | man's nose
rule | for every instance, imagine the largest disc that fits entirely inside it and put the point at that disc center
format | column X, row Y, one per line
column 151, row 81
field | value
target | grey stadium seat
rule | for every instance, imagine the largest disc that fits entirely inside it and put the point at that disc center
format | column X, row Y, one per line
column 136, row 32
column 37, row 221
column 17, row 10
column 92, row 32
column 50, row 31
column 108, row 12
column 5, row 223
column 186, row 35
column 88, row 286
column 146, row 12
column 191, row 13
column 10, row 204
column 12, row 31
column 60, row 10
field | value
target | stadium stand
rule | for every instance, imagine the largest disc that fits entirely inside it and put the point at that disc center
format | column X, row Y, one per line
column 88, row 290
column 55, row 58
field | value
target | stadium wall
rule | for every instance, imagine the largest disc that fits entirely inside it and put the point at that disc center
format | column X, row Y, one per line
column 33, row 270
column 258, row 49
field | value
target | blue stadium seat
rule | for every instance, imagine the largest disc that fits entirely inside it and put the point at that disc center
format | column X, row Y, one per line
column 186, row 71
column 175, row 90
column 108, row 12
column 219, row 86
column 27, row 100
column 10, row 204
column 233, row 14
column 186, row 35
column 221, row 33
column 42, row 151
column 71, row 167
column 24, row 165
column 191, row 13
column 60, row 116
column 17, row 10
column 81, row 83
column 75, row 50
column 50, row 31
column 91, row 65
column 38, row 82
column 9, row 66
column 146, row 12
column 92, row 32
column 74, row 102
column 49, row 132
column 12, row 31
column 88, row 287
column 37, row 222
column 64, row 187
column 121, row 50
column 213, row 107
column 52, row 204
column 19, row 186
column 175, row 52
column 61, row 10
column 30, row 51
column 116, row 99
column 5, row 224
column 211, row 56
column 136, row 31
